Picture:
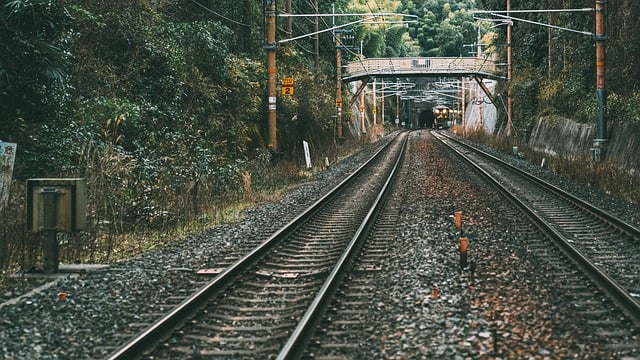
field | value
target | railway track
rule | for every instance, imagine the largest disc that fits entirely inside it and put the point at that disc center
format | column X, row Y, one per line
column 269, row 302
column 348, row 316
column 598, row 243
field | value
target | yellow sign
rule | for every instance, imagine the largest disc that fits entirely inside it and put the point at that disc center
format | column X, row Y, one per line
column 287, row 90
column 287, row 81
column 338, row 102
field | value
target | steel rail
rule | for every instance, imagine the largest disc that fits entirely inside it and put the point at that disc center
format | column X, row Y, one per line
column 295, row 345
column 609, row 218
column 619, row 295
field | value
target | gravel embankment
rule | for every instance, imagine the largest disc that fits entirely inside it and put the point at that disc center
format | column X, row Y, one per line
column 461, row 324
column 507, row 305
column 101, row 305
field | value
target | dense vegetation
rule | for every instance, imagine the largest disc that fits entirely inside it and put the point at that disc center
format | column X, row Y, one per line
column 160, row 104
column 554, row 70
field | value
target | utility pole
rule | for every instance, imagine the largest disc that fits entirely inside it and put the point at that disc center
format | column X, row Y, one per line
column 363, row 128
column 338, row 85
column 382, row 102
column 600, row 142
column 375, row 105
column 316, row 38
column 289, row 19
column 464, row 103
column 479, row 89
column 270, row 47
column 397, row 121
column 509, row 73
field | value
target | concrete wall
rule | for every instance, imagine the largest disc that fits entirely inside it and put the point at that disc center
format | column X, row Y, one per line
column 565, row 137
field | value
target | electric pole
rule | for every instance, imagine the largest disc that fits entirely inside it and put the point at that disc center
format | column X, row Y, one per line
column 289, row 19
column 316, row 38
column 509, row 73
column 600, row 142
column 375, row 101
column 338, row 85
column 270, row 47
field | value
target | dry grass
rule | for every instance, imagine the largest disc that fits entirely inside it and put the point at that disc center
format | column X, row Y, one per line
column 608, row 177
column 113, row 234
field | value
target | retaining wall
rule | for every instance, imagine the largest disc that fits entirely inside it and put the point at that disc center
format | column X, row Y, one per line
column 565, row 137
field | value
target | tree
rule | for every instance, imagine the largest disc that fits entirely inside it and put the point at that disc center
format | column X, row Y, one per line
column 33, row 64
column 445, row 26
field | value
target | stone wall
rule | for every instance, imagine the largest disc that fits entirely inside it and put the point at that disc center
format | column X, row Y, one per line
column 564, row 137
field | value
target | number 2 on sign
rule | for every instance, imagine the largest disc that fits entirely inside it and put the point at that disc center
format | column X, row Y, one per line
column 287, row 90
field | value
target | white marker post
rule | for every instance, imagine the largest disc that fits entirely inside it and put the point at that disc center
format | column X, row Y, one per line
column 307, row 154
column 7, row 159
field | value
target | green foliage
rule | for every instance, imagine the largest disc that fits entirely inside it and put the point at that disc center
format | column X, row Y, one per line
column 562, row 63
column 525, row 88
column 34, row 84
column 160, row 104
column 33, row 69
column 381, row 39
column 624, row 109
column 444, row 27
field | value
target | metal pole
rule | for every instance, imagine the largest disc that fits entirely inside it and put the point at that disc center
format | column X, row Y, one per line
column 509, row 74
column 480, row 108
column 464, row 105
column 363, row 128
column 600, row 142
column 316, row 39
column 290, row 19
column 382, row 103
column 398, row 105
column 375, row 100
column 339, row 85
column 270, row 47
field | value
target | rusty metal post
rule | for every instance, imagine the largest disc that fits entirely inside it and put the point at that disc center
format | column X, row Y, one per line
column 600, row 142
column 290, row 19
column 382, row 102
column 338, row 85
column 374, row 109
column 464, row 244
column 270, row 47
column 363, row 128
column 509, row 74
column 316, row 37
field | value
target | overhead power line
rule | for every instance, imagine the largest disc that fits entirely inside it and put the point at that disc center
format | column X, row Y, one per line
column 218, row 14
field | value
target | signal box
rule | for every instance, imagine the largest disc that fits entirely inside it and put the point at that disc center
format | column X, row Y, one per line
column 56, row 204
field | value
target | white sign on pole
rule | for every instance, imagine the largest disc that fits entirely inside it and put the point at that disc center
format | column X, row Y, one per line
column 7, row 159
column 307, row 154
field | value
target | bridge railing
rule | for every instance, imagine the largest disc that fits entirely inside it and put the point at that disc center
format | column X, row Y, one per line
column 435, row 65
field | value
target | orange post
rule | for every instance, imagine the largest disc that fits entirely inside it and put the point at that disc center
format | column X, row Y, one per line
column 464, row 244
column 458, row 218
column 434, row 292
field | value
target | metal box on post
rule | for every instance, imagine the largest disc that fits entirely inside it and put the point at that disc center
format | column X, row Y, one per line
column 55, row 205
column 69, row 197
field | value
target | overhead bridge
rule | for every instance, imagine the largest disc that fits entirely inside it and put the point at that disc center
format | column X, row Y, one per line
column 421, row 67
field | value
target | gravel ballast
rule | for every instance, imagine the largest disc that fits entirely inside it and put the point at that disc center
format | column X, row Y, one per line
column 497, row 298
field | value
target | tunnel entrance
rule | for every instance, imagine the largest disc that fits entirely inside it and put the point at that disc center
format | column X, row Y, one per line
column 427, row 119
